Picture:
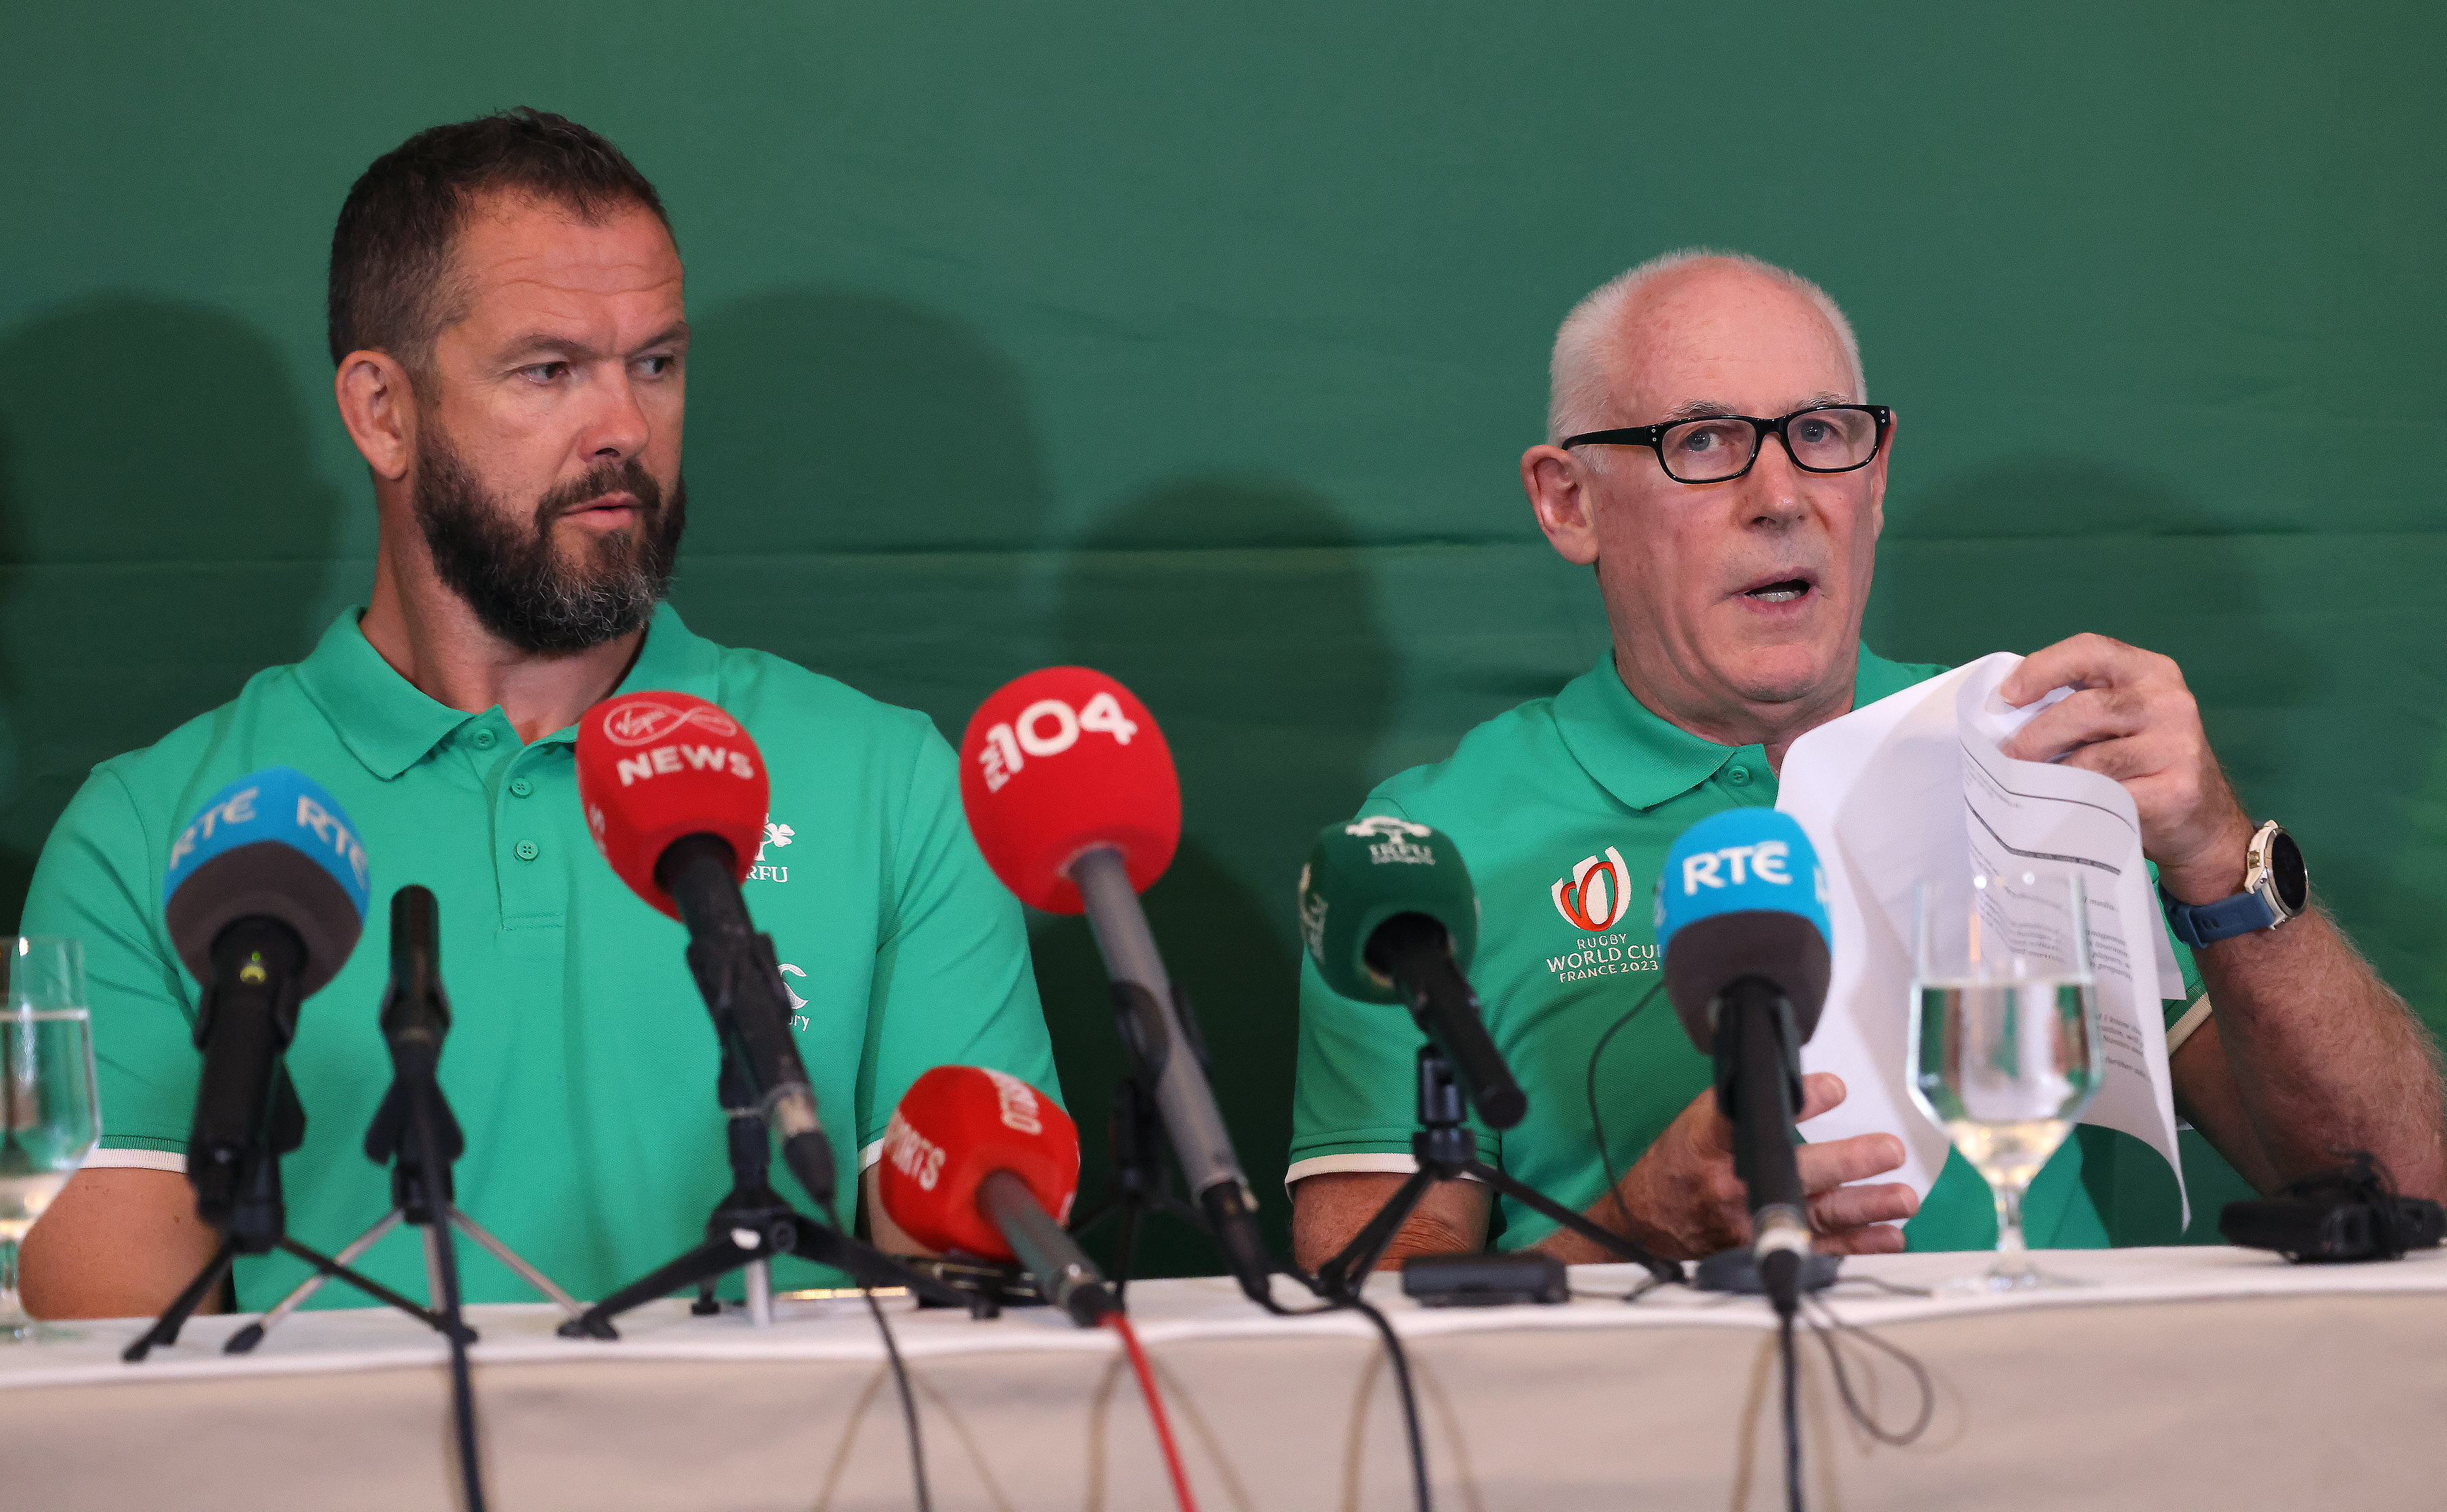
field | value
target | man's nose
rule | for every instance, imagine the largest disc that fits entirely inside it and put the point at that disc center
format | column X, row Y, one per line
column 1772, row 489
column 618, row 429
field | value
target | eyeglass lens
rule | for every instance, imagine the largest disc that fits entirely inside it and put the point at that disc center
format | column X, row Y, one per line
column 1821, row 441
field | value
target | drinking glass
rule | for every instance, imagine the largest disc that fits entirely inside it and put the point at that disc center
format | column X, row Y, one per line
column 51, row 1114
column 2005, row 1050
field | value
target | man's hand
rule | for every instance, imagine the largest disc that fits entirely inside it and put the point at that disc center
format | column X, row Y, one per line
column 2132, row 718
column 1683, row 1200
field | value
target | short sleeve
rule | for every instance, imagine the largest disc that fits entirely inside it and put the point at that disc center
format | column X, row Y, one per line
column 951, row 984
column 95, row 885
column 1354, row 1090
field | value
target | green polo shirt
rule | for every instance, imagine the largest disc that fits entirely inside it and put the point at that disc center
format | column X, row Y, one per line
column 580, row 1060
column 1528, row 794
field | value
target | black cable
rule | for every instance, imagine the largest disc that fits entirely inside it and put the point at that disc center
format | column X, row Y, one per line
column 1859, row 1414
column 908, row 1402
column 1336, row 1301
column 1410, row 1402
column 452, row 1303
column 462, row 1389
column 899, row 1382
column 1596, row 1120
column 1792, row 1416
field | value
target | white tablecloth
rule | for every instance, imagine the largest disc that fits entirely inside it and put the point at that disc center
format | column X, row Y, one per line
column 2180, row 1378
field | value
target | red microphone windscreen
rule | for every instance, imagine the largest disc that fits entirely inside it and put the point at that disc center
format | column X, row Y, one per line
column 657, row 768
column 957, row 1125
column 1061, row 762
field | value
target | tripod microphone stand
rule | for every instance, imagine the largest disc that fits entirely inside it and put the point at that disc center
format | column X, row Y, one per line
column 422, row 1198
column 750, row 1226
column 1446, row 1151
column 255, row 1220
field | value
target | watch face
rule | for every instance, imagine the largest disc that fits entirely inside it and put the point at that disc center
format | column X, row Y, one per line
column 2287, row 873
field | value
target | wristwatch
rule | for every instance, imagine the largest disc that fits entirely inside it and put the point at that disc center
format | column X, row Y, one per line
column 2276, row 886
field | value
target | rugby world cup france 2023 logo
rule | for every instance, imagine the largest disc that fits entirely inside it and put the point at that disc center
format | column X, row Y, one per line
column 1594, row 899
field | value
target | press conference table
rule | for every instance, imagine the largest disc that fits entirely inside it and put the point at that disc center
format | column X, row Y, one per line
column 2181, row 1378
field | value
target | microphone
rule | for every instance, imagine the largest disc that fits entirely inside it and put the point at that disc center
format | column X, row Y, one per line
column 676, row 796
column 1741, row 923
column 264, row 899
column 1072, row 795
column 415, row 1011
column 414, row 1020
column 981, row 1163
column 1387, row 913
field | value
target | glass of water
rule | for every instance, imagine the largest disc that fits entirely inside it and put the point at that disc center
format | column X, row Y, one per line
column 2005, row 1050
column 50, row 1114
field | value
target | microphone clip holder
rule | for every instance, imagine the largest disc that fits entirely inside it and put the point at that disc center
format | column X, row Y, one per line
column 749, row 1227
column 1447, row 1150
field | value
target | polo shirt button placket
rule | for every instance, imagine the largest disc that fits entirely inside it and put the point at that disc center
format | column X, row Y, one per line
column 527, row 850
column 481, row 739
column 521, row 787
column 1739, row 776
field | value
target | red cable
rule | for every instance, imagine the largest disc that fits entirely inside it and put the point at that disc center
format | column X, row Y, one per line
column 1120, row 1323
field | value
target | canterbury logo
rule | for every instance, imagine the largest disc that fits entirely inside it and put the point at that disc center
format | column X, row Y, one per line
column 644, row 721
column 1598, row 893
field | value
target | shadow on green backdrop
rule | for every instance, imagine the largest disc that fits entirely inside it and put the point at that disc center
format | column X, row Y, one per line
column 163, row 537
column 1241, row 612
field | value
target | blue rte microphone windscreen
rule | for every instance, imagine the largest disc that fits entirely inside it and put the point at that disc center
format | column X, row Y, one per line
column 1743, row 895
column 273, row 844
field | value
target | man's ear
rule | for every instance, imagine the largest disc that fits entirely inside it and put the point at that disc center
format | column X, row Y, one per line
column 1556, row 484
column 1878, row 484
column 378, row 404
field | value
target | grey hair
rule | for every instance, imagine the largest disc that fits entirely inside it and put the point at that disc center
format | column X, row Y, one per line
column 1580, row 384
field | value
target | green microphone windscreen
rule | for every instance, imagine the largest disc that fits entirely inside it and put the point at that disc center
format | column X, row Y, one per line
column 1362, row 874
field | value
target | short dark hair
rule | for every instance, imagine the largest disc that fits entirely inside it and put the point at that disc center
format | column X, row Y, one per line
column 391, row 252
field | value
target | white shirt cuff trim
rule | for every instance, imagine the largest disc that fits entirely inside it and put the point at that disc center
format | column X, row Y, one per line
column 1387, row 1163
column 869, row 1156
column 2193, row 1018
column 136, row 1160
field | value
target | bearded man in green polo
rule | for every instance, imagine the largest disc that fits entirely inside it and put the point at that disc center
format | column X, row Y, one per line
column 1712, row 453
column 507, row 322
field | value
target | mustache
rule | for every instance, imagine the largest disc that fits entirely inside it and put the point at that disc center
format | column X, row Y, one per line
column 628, row 477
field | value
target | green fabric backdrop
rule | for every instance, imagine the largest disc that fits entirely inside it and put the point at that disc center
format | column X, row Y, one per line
column 1199, row 346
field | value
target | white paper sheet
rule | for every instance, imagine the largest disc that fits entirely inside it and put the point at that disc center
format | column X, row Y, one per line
column 1912, row 789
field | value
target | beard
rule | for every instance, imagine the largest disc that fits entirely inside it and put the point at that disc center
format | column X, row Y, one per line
column 509, row 571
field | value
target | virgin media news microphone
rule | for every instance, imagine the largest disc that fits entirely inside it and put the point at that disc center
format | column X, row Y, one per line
column 676, row 796
column 264, row 899
column 981, row 1163
column 1388, row 915
column 1070, row 793
column 1741, row 922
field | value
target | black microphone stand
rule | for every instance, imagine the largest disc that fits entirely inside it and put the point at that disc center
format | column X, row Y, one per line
column 1446, row 1150
column 750, row 1226
column 1138, row 1179
column 422, row 1198
column 257, row 1224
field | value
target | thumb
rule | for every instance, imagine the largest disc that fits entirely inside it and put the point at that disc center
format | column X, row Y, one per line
column 1820, row 1091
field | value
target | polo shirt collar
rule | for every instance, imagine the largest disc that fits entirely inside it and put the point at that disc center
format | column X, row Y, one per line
column 1642, row 760
column 389, row 725
column 1631, row 752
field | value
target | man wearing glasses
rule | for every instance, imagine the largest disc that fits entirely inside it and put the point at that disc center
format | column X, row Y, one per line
column 1734, row 555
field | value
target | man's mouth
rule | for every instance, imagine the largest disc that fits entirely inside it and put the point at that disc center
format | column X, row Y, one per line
column 604, row 510
column 1779, row 590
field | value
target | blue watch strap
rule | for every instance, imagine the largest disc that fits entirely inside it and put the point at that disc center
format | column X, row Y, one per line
column 2199, row 924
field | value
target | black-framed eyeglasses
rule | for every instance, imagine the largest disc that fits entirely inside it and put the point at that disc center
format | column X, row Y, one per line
column 1718, row 448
